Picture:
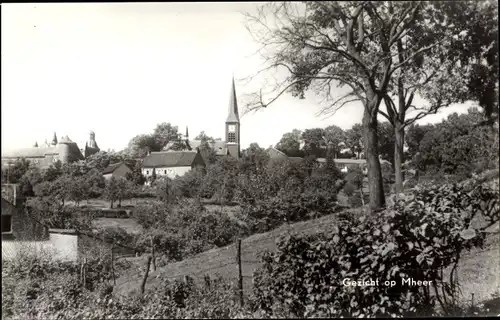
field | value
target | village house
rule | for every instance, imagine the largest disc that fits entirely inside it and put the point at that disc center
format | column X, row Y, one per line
column 116, row 170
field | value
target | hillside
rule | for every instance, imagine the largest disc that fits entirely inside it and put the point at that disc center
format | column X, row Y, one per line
column 478, row 271
column 222, row 261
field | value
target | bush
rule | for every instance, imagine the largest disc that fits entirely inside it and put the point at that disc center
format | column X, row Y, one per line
column 418, row 237
column 58, row 294
column 287, row 192
column 184, row 230
column 190, row 184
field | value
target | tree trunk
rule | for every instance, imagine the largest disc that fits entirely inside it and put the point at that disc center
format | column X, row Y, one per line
column 398, row 157
column 375, row 183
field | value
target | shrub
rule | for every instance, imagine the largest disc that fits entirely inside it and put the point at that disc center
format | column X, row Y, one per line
column 190, row 184
column 184, row 230
column 417, row 238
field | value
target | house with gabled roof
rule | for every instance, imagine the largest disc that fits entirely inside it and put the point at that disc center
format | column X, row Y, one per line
column 171, row 164
column 117, row 170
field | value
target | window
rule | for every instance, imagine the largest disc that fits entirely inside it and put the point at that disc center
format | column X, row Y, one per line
column 6, row 223
column 231, row 137
column 147, row 171
column 165, row 171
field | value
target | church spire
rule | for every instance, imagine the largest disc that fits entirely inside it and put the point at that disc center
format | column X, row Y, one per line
column 233, row 115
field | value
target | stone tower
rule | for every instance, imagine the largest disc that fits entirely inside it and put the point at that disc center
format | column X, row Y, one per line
column 91, row 146
column 233, row 126
column 92, row 143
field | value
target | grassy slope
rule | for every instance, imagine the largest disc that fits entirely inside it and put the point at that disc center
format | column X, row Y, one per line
column 478, row 273
column 220, row 261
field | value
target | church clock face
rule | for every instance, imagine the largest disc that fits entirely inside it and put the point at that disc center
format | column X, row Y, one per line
column 232, row 128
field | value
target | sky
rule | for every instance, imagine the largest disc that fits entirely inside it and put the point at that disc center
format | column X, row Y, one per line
column 119, row 69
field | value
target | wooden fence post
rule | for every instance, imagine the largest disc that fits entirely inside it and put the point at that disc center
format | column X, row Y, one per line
column 82, row 271
column 113, row 263
column 153, row 253
column 207, row 281
column 143, row 284
column 240, row 276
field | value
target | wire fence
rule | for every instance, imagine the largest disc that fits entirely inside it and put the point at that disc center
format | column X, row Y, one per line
column 226, row 263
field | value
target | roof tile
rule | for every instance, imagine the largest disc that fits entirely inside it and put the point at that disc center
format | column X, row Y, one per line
column 169, row 159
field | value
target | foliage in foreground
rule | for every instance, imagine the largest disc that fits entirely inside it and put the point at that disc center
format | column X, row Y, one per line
column 418, row 237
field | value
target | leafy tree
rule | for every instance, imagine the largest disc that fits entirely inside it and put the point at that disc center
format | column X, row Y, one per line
column 206, row 150
column 96, row 183
column 103, row 159
column 125, row 190
column 78, row 189
column 254, row 159
column 190, row 184
column 140, row 145
column 458, row 145
column 290, row 142
column 76, row 169
column 334, row 137
column 315, row 143
column 136, row 175
column 413, row 137
column 111, row 192
column 16, row 169
column 354, row 139
column 477, row 50
column 348, row 44
column 441, row 75
column 220, row 179
column 164, row 133
column 166, row 190
column 26, row 187
column 53, row 171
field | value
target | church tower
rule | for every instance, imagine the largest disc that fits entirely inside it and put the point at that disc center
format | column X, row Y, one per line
column 233, row 126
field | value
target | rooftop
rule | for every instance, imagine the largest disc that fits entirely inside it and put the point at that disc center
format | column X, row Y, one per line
column 169, row 159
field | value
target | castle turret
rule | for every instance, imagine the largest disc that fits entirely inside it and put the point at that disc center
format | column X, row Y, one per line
column 92, row 143
column 91, row 146
column 54, row 140
column 233, row 125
